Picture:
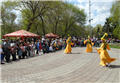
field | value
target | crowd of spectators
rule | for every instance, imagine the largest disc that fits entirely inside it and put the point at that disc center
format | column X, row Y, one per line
column 14, row 50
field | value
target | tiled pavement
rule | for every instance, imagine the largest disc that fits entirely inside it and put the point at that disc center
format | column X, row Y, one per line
column 78, row 67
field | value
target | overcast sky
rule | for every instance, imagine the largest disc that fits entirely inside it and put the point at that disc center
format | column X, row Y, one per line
column 100, row 9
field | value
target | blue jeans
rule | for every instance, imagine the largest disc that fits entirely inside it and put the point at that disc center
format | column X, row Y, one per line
column 1, row 57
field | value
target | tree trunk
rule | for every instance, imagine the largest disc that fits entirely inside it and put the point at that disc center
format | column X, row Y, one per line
column 56, row 27
column 31, row 22
column 43, row 27
column 37, row 29
column 29, row 26
column 68, row 27
column 65, row 29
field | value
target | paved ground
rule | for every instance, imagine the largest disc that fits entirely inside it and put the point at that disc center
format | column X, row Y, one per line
column 78, row 67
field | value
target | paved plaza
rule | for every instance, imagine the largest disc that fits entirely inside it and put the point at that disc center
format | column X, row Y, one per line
column 57, row 67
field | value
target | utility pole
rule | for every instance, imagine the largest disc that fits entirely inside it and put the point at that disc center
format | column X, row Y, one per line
column 90, row 17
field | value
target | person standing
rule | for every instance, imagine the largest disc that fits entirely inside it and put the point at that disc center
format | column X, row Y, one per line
column 33, row 46
column 20, row 51
column 7, row 51
column 105, row 59
column 40, row 46
column 68, row 48
column 44, row 45
column 28, row 49
column 37, row 46
column 24, row 51
column 1, row 55
column 89, row 44
column 13, row 52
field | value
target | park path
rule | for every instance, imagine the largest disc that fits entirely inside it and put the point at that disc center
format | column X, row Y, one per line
column 57, row 67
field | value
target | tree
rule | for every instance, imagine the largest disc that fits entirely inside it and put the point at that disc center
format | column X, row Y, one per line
column 34, row 10
column 55, row 15
column 108, row 26
column 88, row 30
column 8, row 17
column 43, row 17
column 72, row 15
column 115, row 19
column 97, row 30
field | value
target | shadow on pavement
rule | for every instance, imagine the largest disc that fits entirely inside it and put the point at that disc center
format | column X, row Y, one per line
column 94, row 52
column 114, row 66
column 76, row 53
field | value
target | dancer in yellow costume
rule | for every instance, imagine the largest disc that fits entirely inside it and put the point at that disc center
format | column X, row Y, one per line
column 89, row 44
column 68, row 48
column 105, row 59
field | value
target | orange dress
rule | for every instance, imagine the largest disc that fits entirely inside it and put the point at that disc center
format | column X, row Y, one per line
column 89, row 45
column 68, row 48
column 104, row 56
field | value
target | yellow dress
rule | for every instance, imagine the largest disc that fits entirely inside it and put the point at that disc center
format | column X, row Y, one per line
column 89, row 45
column 104, row 56
column 68, row 48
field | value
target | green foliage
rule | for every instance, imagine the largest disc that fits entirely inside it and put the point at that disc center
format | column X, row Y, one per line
column 98, row 30
column 8, row 17
column 112, row 24
column 58, row 17
column 116, row 32
column 115, row 12
column 43, row 17
column 88, row 31
column 115, row 19
column 72, row 16
column 115, row 45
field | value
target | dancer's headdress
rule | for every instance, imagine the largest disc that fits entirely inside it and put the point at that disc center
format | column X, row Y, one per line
column 88, row 36
column 104, row 36
column 69, row 37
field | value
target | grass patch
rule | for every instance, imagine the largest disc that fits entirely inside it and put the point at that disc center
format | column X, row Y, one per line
column 115, row 45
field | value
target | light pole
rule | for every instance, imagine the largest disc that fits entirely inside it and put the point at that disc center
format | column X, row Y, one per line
column 90, row 17
column 89, row 12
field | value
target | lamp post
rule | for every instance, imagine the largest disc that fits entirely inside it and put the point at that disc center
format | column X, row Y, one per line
column 90, row 17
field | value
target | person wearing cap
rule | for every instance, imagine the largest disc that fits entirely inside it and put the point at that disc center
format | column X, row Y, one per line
column 89, row 44
column 68, row 48
column 105, row 59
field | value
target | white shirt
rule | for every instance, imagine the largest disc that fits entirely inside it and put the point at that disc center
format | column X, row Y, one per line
column 1, row 51
column 50, row 48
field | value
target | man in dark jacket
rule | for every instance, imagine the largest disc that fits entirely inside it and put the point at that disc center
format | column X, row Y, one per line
column 44, row 47
column 7, row 51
